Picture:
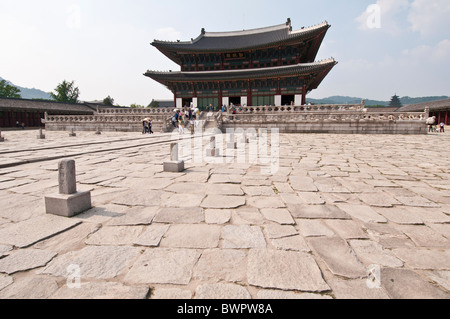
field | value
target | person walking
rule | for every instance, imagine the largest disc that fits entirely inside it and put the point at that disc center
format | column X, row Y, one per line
column 442, row 127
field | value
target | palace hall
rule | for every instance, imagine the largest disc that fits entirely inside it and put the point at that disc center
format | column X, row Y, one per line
column 267, row 66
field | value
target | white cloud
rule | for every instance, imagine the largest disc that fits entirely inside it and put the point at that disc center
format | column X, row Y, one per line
column 429, row 16
column 382, row 16
column 429, row 54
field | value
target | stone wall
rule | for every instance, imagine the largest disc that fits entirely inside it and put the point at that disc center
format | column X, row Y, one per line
column 111, row 120
column 339, row 119
column 347, row 119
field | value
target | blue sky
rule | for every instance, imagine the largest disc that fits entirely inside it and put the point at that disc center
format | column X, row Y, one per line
column 398, row 47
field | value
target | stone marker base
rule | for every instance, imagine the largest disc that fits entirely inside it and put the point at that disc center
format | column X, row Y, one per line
column 41, row 137
column 174, row 166
column 213, row 152
column 68, row 205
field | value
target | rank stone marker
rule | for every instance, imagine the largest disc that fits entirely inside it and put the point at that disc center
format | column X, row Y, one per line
column 2, row 139
column 68, row 202
column 41, row 136
column 72, row 133
column 212, row 151
column 174, row 165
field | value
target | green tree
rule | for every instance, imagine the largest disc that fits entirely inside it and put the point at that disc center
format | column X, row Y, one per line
column 9, row 91
column 108, row 101
column 66, row 92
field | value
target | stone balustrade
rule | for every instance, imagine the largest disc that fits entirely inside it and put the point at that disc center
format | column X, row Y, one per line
column 347, row 119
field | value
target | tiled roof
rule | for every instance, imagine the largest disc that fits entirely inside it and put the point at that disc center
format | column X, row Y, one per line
column 435, row 105
column 321, row 68
column 242, row 40
column 45, row 106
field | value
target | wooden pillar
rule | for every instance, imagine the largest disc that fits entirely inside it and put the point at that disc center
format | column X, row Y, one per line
column 304, row 95
column 249, row 94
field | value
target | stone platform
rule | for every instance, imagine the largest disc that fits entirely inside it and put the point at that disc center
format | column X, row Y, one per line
column 345, row 216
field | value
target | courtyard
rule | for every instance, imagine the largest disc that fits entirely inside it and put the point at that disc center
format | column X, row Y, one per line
column 343, row 216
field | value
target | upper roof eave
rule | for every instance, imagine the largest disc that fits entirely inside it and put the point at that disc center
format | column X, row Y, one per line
column 241, row 40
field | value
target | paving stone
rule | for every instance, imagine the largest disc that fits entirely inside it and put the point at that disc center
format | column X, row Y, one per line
column 424, row 236
column 278, row 215
column 338, row 257
column 183, row 201
column 378, row 199
column 115, row 236
column 101, row 214
column 313, row 228
column 223, row 202
column 140, row 198
column 217, row 216
column 330, row 185
column 406, row 284
column 291, row 198
column 416, row 201
column 267, row 294
column 372, row 253
column 311, row 198
column 188, row 215
column 400, row 215
column 192, row 236
column 187, row 188
column 317, row 212
column 25, row 259
column 163, row 266
column 5, row 281
column 134, row 216
column 346, row 229
column 362, row 212
column 258, row 190
column 225, row 179
column 430, row 215
column 302, row 184
column 355, row 289
column 4, row 249
column 274, row 231
column 171, row 294
column 283, row 187
column 265, row 202
column 96, row 262
column 29, row 232
column 221, row 265
column 68, row 240
column 152, row 236
column 242, row 237
column 424, row 258
column 442, row 278
column 284, row 270
column 101, row 290
column 247, row 216
column 292, row 243
column 30, row 288
column 224, row 189
column 222, row 291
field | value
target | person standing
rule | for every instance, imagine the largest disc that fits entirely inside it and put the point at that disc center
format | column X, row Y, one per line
column 442, row 127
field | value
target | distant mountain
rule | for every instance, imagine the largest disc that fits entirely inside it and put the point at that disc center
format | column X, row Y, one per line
column 30, row 94
column 356, row 100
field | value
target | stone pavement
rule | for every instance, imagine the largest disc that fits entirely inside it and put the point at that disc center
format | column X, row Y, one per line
column 345, row 216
